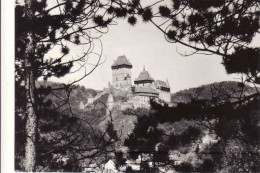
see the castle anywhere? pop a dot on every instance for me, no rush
(145, 87)
(137, 95)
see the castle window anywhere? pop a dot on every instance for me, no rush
(116, 78)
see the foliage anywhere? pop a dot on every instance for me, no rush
(221, 27)
(62, 133)
(153, 144)
(43, 27)
(120, 160)
(136, 112)
(172, 128)
(239, 124)
(212, 26)
(244, 61)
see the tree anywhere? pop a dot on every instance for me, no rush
(231, 119)
(224, 28)
(42, 27)
(153, 143)
(142, 141)
(62, 134)
(234, 125)
(221, 27)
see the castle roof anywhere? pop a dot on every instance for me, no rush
(146, 90)
(160, 83)
(121, 62)
(144, 76)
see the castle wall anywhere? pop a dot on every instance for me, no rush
(164, 95)
(141, 101)
(119, 77)
(145, 85)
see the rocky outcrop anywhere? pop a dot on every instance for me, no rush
(123, 124)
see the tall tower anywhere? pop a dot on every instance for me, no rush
(121, 73)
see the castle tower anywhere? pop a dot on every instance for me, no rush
(144, 80)
(164, 90)
(144, 89)
(121, 73)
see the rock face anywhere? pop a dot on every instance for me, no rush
(123, 124)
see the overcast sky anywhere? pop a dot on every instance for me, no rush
(144, 45)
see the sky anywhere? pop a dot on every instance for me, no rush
(145, 46)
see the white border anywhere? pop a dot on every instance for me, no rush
(7, 86)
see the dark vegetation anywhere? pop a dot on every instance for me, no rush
(136, 112)
(40, 29)
(78, 94)
(68, 137)
(164, 129)
(234, 129)
(71, 105)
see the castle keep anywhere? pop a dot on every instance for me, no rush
(121, 73)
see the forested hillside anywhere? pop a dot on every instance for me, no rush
(182, 138)
(76, 95)
(227, 90)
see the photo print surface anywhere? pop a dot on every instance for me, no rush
(137, 86)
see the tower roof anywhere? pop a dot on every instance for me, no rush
(121, 61)
(146, 90)
(161, 83)
(144, 76)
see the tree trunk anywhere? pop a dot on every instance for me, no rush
(31, 121)
(30, 128)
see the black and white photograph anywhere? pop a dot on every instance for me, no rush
(124, 86)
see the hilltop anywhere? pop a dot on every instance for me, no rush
(77, 95)
(227, 90)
